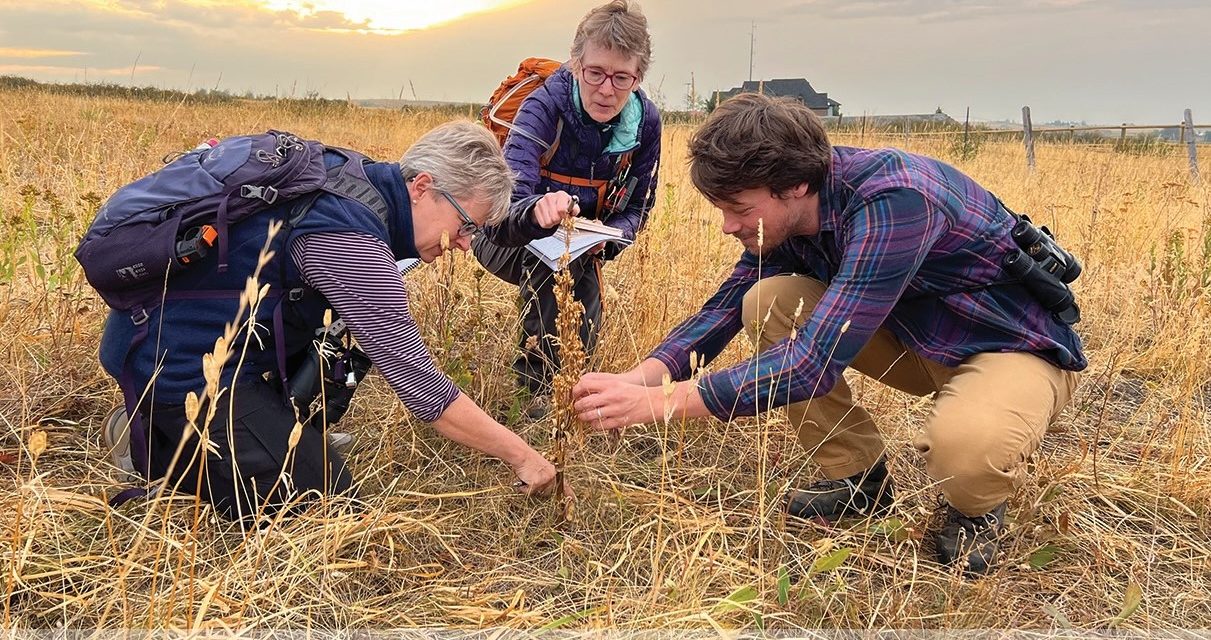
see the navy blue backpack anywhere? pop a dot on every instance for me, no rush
(155, 226)
(158, 225)
(135, 242)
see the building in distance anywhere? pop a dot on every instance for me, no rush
(798, 88)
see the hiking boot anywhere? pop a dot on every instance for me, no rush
(115, 437)
(340, 441)
(970, 541)
(868, 493)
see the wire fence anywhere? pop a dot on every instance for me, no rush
(1183, 133)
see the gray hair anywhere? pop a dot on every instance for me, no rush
(465, 161)
(618, 25)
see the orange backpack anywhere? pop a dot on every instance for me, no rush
(505, 102)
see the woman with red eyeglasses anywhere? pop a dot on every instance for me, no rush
(590, 132)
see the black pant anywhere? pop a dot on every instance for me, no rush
(259, 428)
(535, 367)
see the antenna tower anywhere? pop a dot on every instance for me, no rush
(752, 47)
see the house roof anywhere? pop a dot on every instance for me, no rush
(789, 87)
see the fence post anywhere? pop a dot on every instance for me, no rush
(1122, 137)
(966, 128)
(1072, 134)
(1181, 133)
(905, 133)
(1192, 147)
(1028, 137)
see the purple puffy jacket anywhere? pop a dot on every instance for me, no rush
(581, 153)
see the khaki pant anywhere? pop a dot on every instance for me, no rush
(988, 417)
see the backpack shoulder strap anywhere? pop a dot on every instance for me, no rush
(623, 167)
(545, 158)
(349, 181)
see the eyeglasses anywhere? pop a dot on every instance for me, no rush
(621, 81)
(468, 227)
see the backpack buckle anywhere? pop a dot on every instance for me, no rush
(139, 316)
(294, 295)
(268, 194)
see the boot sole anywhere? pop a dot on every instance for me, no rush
(115, 438)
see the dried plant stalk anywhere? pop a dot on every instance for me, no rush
(572, 364)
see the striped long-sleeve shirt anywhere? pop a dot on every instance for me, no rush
(905, 242)
(357, 274)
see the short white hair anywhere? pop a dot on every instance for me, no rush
(465, 161)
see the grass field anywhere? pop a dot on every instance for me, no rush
(677, 526)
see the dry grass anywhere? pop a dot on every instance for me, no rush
(673, 529)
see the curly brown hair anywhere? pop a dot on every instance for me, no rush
(752, 141)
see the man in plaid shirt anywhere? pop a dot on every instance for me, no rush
(879, 260)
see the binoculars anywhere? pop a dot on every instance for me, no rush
(1039, 244)
(1044, 268)
(331, 370)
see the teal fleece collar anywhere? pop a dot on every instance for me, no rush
(624, 134)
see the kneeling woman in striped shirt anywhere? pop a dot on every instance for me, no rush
(337, 260)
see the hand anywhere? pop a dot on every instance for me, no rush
(597, 248)
(536, 477)
(634, 376)
(553, 207)
(608, 402)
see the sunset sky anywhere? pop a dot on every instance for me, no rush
(1104, 61)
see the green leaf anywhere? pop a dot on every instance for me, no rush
(773, 491)
(830, 561)
(570, 618)
(1132, 598)
(564, 572)
(784, 586)
(1053, 492)
(893, 528)
(739, 597)
(1043, 556)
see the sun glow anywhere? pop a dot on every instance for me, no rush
(391, 16)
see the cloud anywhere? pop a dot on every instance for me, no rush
(202, 15)
(327, 21)
(173, 34)
(63, 72)
(963, 10)
(237, 47)
(204, 18)
(11, 52)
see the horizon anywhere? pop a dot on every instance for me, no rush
(397, 102)
(1069, 60)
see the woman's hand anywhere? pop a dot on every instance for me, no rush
(553, 207)
(536, 477)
